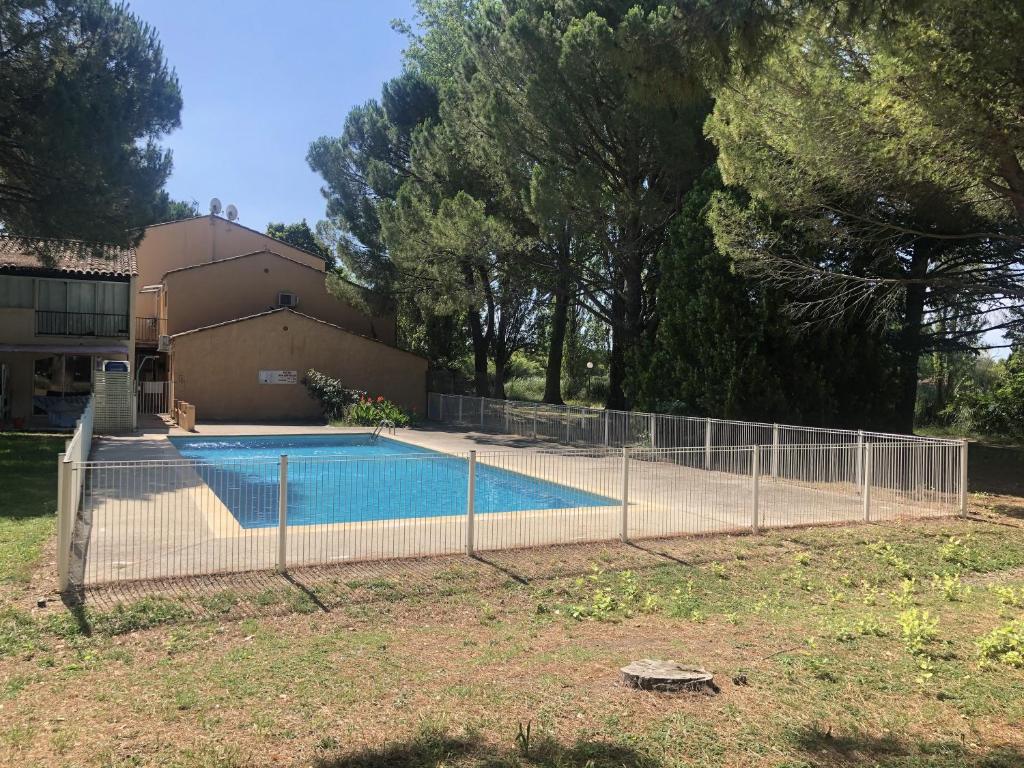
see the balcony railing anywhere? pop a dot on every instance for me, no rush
(49, 323)
(148, 330)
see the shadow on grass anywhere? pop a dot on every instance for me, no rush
(28, 474)
(996, 469)
(827, 750)
(435, 749)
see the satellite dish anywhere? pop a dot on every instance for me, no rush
(215, 206)
(232, 212)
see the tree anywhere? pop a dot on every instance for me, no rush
(363, 169)
(857, 208)
(301, 236)
(570, 89)
(365, 166)
(725, 347)
(85, 95)
(174, 210)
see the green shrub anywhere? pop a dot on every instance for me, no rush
(1004, 644)
(996, 408)
(1008, 596)
(370, 411)
(918, 629)
(334, 398)
(353, 406)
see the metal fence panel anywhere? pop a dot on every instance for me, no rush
(163, 519)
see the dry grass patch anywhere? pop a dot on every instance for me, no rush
(845, 646)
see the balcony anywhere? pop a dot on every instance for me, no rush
(49, 323)
(148, 330)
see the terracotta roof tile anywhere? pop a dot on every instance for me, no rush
(67, 256)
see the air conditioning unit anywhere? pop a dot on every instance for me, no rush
(163, 343)
(285, 299)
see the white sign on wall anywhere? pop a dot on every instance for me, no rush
(279, 377)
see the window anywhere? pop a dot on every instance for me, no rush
(82, 308)
(60, 375)
(83, 296)
(16, 291)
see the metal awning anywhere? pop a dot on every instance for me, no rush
(65, 349)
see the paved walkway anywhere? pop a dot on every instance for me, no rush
(162, 520)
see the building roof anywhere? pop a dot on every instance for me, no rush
(229, 259)
(291, 311)
(240, 226)
(68, 257)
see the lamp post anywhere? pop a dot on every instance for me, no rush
(590, 376)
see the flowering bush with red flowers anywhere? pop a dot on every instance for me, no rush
(352, 406)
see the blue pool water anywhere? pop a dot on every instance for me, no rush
(342, 479)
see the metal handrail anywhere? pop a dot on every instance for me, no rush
(56, 323)
(384, 423)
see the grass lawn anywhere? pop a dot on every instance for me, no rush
(28, 500)
(872, 645)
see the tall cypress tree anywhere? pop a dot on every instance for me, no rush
(725, 347)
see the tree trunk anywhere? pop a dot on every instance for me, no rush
(617, 356)
(481, 339)
(479, 353)
(559, 321)
(627, 309)
(500, 364)
(910, 340)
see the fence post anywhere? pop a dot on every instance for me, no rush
(63, 512)
(282, 515)
(460, 410)
(755, 483)
(470, 501)
(568, 413)
(482, 411)
(536, 408)
(963, 477)
(859, 480)
(605, 427)
(624, 533)
(867, 482)
(653, 441)
(707, 443)
(775, 451)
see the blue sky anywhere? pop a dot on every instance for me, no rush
(261, 80)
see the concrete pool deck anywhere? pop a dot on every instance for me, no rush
(161, 520)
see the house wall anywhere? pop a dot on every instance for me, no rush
(18, 326)
(217, 369)
(204, 239)
(228, 290)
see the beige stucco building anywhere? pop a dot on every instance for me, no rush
(251, 368)
(65, 308)
(203, 310)
(238, 286)
(208, 295)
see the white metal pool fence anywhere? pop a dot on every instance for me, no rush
(162, 519)
(577, 425)
(69, 486)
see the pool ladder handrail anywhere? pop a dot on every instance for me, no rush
(384, 423)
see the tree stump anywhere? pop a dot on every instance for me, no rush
(657, 675)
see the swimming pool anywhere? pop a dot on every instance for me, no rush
(350, 478)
